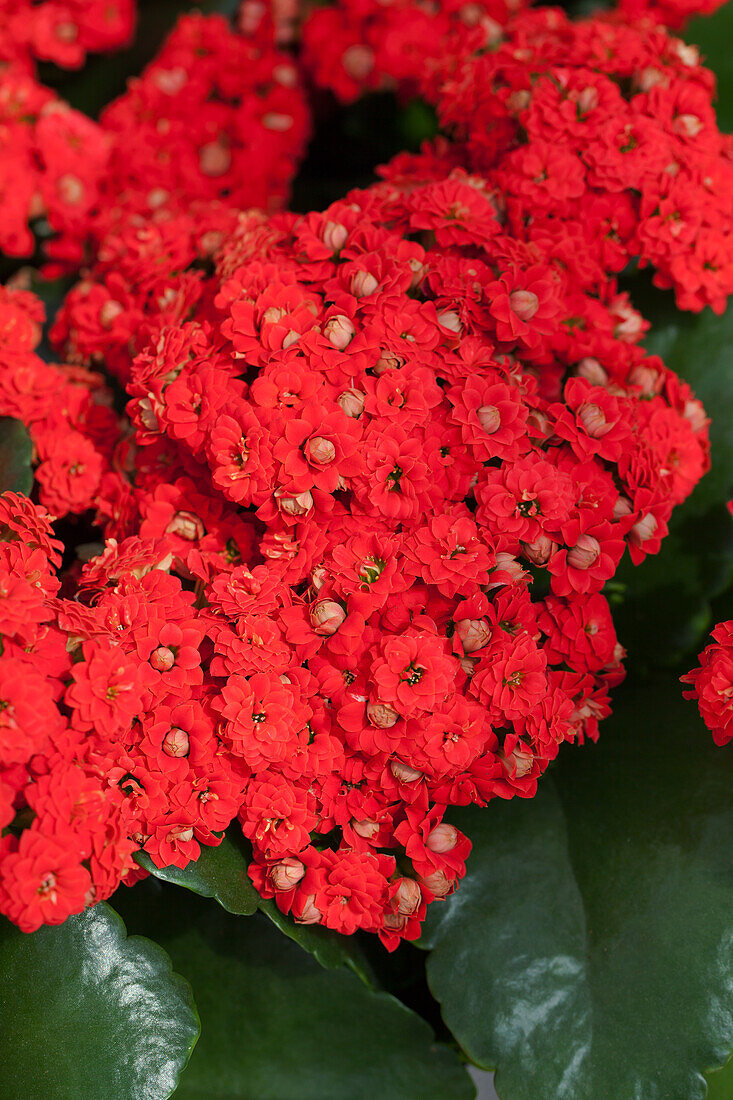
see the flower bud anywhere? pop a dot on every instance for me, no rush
(298, 505)
(363, 284)
(215, 159)
(508, 569)
(339, 331)
(687, 125)
(518, 100)
(524, 303)
(334, 235)
(592, 370)
(287, 873)
(645, 377)
(181, 833)
(540, 550)
(309, 914)
(518, 763)
(585, 553)
(644, 529)
(449, 319)
(438, 883)
(319, 450)
(443, 838)
(187, 526)
(381, 715)
(695, 414)
(622, 507)
(473, 634)
(587, 100)
(489, 418)
(468, 664)
(593, 419)
(358, 61)
(162, 659)
(408, 897)
(352, 403)
(70, 189)
(404, 773)
(326, 616)
(277, 121)
(395, 922)
(367, 829)
(176, 743)
(109, 311)
(319, 576)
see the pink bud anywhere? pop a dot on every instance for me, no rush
(309, 914)
(186, 525)
(540, 550)
(162, 659)
(181, 833)
(644, 529)
(593, 420)
(395, 922)
(443, 838)
(339, 331)
(438, 883)
(319, 450)
(326, 616)
(387, 361)
(489, 418)
(70, 189)
(404, 773)
(508, 569)
(215, 159)
(363, 284)
(592, 370)
(334, 235)
(408, 897)
(688, 55)
(622, 507)
(319, 576)
(381, 715)
(367, 829)
(109, 311)
(645, 377)
(352, 403)
(277, 121)
(687, 125)
(298, 505)
(648, 78)
(468, 664)
(473, 634)
(176, 743)
(695, 414)
(449, 319)
(585, 553)
(358, 61)
(518, 763)
(518, 101)
(524, 303)
(287, 873)
(588, 100)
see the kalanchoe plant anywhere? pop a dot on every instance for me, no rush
(309, 521)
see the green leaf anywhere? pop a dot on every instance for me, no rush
(666, 606)
(87, 1013)
(276, 1026)
(329, 948)
(219, 873)
(589, 951)
(720, 1083)
(15, 457)
(713, 37)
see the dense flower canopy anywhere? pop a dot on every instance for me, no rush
(373, 465)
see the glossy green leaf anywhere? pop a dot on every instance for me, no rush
(219, 873)
(589, 951)
(15, 457)
(665, 611)
(720, 1083)
(713, 36)
(277, 1026)
(87, 1013)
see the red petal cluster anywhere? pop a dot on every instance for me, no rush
(712, 684)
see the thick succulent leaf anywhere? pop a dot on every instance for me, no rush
(219, 872)
(665, 609)
(87, 1012)
(713, 36)
(588, 952)
(15, 457)
(276, 1026)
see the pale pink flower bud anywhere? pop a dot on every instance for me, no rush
(358, 61)
(298, 505)
(147, 415)
(518, 763)
(646, 378)
(649, 78)
(404, 773)
(585, 553)
(367, 829)
(70, 189)
(443, 838)
(326, 616)
(339, 331)
(186, 525)
(408, 897)
(688, 55)
(109, 311)
(524, 303)
(352, 403)
(540, 550)
(518, 101)
(215, 159)
(687, 125)
(277, 121)
(319, 576)
(320, 450)
(508, 569)
(162, 659)
(181, 833)
(387, 361)
(622, 507)
(468, 664)
(381, 715)
(587, 100)
(644, 529)
(395, 922)
(287, 873)
(592, 370)
(438, 883)
(489, 418)
(449, 319)
(334, 235)
(170, 81)
(176, 743)
(309, 914)
(695, 414)
(473, 634)
(363, 284)
(593, 420)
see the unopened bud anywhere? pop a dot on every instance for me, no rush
(334, 235)
(449, 319)
(367, 829)
(309, 914)
(644, 529)
(363, 284)
(593, 420)
(645, 377)
(298, 505)
(687, 125)
(358, 61)
(592, 370)
(320, 450)
(186, 525)
(109, 311)
(622, 507)
(287, 873)
(162, 659)
(408, 897)
(352, 403)
(395, 922)
(438, 883)
(695, 414)
(473, 634)
(176, 743)
(404, 773)
(70, 189)
(387, 361)
(585, 553)
(443, 838)
(540, 550)
(215, 159)
(518, 763)
(326, 616)
(381, 715)
(339, 331)
(524, 303)
(489, 418)
(508, 570)
(181, 833)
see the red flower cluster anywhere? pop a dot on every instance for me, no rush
(63, 31)
(712, 684)
(599, 136)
